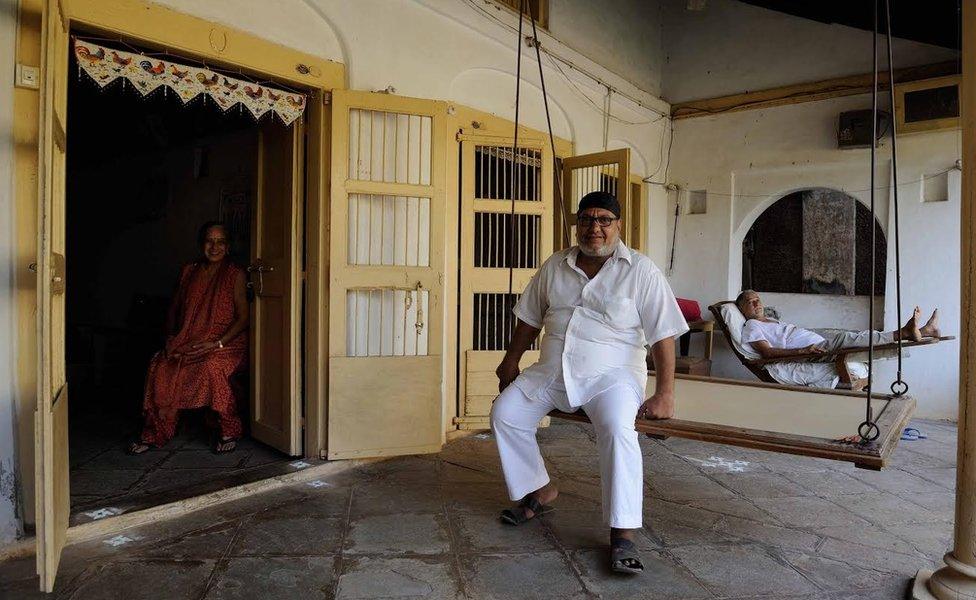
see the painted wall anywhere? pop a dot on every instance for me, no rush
(634, 53)
(9, 525)
(466, 54)
(730, 47)
(748, 160)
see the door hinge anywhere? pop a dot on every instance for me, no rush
(326, 98)
(303, 275)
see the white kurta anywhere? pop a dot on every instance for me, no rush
(592, 356)
(596, 329)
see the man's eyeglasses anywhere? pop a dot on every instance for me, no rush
(602, 221)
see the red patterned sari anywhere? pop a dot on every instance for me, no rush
(204, 310)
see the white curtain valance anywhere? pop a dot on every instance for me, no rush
(105, 65)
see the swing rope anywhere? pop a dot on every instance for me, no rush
(898, 387)
(868, 430)
(523, 7)
(515, 164)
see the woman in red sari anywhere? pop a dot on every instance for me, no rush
(206, 344)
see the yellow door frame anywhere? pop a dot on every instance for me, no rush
(153, 26)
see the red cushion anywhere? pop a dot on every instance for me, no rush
(689, 309)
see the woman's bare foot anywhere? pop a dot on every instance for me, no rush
(931, 327)
(911, 331)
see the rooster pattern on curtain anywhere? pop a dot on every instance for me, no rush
(147, 74)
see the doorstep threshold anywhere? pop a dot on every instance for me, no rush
(315, 469)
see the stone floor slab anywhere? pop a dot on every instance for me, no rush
(739, 570)
(484, 532)
(295, 578)
(413, 533)
(380, 577)
(686, 488)
(808, 512)
(537, 576)
(146, 580)
(761, 485)
(271, 535)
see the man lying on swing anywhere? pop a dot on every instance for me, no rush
(772, 339)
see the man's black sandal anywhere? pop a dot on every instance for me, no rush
(624, 557)
(517, 516)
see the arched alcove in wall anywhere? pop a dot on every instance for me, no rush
(814, 241)
(493, 91)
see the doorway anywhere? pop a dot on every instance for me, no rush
(143, 173)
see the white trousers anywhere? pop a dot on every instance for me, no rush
(515, 419)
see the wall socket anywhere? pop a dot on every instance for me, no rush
(28, 77)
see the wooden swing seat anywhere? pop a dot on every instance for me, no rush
(840, 358)
(778, 418)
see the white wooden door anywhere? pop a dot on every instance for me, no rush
(274, 273)
(495, 182)
(51, 418)
(386, 275)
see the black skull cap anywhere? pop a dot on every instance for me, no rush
(600, 200)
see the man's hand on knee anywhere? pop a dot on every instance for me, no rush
(658, 406)
(506, 372)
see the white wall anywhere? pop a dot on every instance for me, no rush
(9, 526)
(463, 50)
(731, 47)
(748, 160)
(627, 38)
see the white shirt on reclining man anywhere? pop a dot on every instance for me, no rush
(770, 338)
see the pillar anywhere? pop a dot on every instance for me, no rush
(957, 579)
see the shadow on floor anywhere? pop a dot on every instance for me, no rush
(106, 481)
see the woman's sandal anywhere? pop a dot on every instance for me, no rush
(517, 515)
(136, 448)
(229, 445)
(624, 557)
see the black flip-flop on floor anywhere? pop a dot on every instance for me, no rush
(517, 516)
(624, 557)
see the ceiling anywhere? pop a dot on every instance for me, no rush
(933, 22)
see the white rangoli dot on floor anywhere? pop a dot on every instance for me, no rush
(717, 462)
(102, 513)
(119, 540)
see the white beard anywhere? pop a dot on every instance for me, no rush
(605, 250)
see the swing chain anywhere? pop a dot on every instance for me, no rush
(899, 387)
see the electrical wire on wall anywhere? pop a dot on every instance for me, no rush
(476, 5)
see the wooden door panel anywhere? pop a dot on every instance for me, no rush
(274, 279)
(484, 302)
(51, 420)
(387, 275)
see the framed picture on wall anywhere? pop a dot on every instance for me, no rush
(235, 213)
(927, 105)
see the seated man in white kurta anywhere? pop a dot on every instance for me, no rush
(600, 303)
(770, 338)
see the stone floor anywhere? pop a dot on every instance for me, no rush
(721, 522)
(104, 477)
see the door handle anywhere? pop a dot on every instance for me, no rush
(260, 270)
(419, 325)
